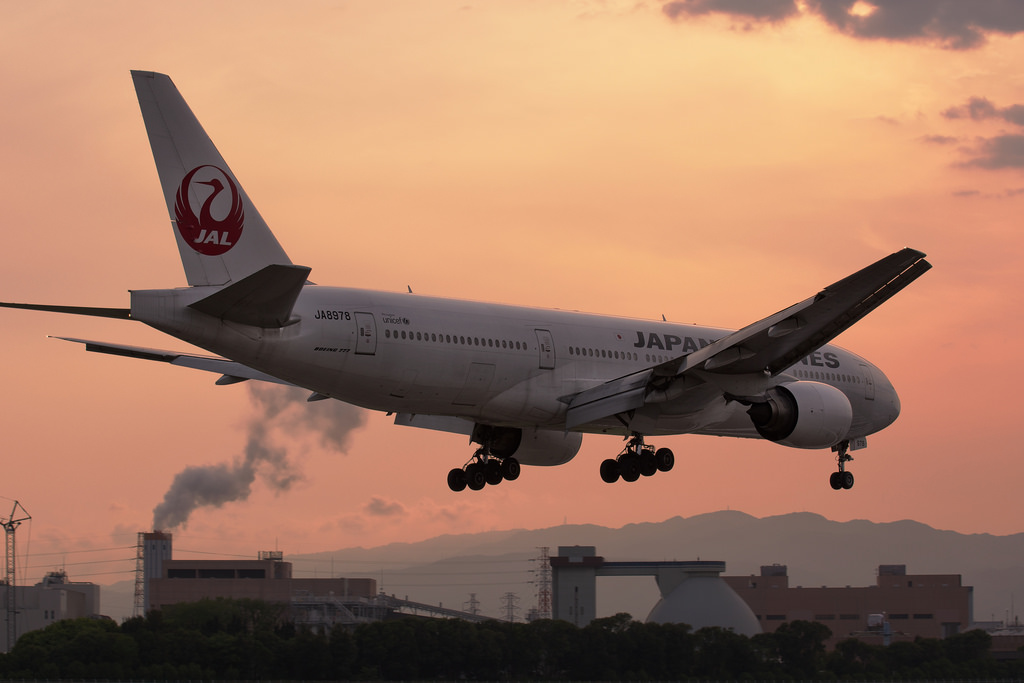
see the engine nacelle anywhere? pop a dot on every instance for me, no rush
(530, 446)
(803, 415)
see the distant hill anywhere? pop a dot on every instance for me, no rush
(818, 552)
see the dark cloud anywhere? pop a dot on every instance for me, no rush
(378, 507)
(940, 139)
(283, 408)
(1002, 151)
(976, 109)
(1006, 194)
(749, 10)
(949, 24)
(981, 108)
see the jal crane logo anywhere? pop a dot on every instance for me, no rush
(204, 233)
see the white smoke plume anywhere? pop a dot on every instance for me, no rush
(280, 409)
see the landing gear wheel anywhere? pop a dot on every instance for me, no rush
(629, 467)
(492, 472)
(610, 471)
(510, 469)
(648, 463)
(842, 479)
(475, 477)
(457, 480)
(665, 459)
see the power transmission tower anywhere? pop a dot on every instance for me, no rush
(10, 525)
(139, 604)
(472, 606)
(510, 603)
(543, 581)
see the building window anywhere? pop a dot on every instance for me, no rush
(849, 617)
(776, 617)
(924, 616)
(252, 573)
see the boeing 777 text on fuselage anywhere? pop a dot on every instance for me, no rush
(524, 384)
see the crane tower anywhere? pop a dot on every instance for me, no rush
(10, 525)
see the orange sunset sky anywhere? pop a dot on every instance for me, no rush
(634, 158)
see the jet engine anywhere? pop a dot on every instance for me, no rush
(803, 415)
(530, 446)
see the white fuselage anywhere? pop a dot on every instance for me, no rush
(493, 364)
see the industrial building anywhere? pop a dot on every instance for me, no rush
(899, 606)
(52, 599)
(691, 592)
(165, 581)
(903, 605)
(312, 602)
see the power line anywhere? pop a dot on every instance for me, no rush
(93, 550)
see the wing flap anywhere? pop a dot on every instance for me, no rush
(611, 398)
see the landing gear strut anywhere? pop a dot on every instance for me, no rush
(635, 460)
(481, 470)
(842, 479)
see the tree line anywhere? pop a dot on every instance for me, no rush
(250, 640)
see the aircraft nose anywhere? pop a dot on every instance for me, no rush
(891, 403)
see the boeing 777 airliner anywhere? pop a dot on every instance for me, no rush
(523, 384)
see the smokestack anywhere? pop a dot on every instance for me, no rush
(156, 547)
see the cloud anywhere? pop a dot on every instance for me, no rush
(940, 139)
(948, 24)
(999, 152)
(981, 108)
(1002, 151)
(1005, 194)
(750, 10)
(285, 409)
(378, 507)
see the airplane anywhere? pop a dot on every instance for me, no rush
(524, 384)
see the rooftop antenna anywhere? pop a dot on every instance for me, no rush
(10, 525)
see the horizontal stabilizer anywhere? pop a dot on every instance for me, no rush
(221, 366)
(120, 313)
(263, 299)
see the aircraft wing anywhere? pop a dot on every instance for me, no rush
(230, 372)
(766, 347)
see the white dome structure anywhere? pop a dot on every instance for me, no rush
(705, 600)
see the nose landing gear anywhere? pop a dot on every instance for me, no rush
(483, 469)
(842, 479)
(637, 460)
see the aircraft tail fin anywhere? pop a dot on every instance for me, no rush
(221, 236)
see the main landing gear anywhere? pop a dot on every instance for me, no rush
(842, 479)
(635, 460)
(481, 470)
